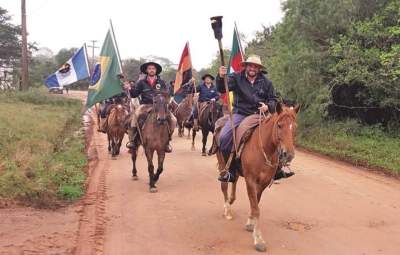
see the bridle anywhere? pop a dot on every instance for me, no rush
(267, 161)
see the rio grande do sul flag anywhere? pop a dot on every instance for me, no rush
(184, 72)
(108, 83)
(235, 60)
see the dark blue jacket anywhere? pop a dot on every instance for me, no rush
(147, 92)
(206, 94)
(247, 96)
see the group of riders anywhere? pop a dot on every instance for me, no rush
(253, 93)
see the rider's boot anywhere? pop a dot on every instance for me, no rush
(230, 175)
(168, 147)
(103, 125)
(280, 173)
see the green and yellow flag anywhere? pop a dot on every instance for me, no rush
(105, 81)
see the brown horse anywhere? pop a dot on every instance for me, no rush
(155, 135)
(207, 117)
(116, 128)
(270, 144)
(182, 114)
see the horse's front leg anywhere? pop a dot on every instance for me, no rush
(150, 168)
(205, 135)
(232, 197)
(193, 141)
(180, 129)
(109, 142)
(227, 206)
(253, 224)
(160, 168)
(134, 170)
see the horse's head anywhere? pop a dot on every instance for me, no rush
(160, 107)
(285, 131)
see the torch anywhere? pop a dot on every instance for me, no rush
(216, 24)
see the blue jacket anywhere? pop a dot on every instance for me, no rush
(206, 94)
(247, 96)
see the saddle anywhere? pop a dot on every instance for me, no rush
(243, 131)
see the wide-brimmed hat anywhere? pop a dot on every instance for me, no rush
(253, 59)
(207, 75)
(143, 67)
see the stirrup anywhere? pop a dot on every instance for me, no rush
(227, 177)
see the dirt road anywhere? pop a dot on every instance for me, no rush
(328, 207)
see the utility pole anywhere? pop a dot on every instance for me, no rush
(93, 46)
(24, 59)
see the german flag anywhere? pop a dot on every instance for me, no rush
(184, 73)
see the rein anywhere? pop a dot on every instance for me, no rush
(266, 160)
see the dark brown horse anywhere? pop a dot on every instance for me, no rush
(116, 128)
(270, 144)
(207, 117)
(155, 135)
(182, 114)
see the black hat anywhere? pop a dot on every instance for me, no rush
(143, 67)
(207, 75)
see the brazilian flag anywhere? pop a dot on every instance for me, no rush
(108, 84)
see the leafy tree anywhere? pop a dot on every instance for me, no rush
(10, 47)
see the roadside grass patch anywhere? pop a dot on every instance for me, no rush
(367, 146)
(42, 156)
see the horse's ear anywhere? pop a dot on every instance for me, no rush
(297, 109)
(279, 107)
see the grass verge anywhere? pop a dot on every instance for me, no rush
(42, 156)
(367, 146)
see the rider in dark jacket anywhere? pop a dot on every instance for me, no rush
(207, 92)
(147, 88)
(252, 93)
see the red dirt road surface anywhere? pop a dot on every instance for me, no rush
(328, 207)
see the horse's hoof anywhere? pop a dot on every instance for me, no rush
(135, 178)
(249, 227)
(228, 216)
(203, 154)
(261, 247)
(153, 190)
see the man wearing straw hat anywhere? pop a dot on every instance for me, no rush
(253, 92)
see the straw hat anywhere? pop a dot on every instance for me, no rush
(253, 59)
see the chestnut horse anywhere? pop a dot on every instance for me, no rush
(116, 128)
(207, 118)
(270, 144)
(155, 135)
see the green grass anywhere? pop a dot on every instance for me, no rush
(42, 157)
(367, 146)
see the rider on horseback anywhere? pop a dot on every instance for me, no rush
(253, 92)
(207, 92)
(106, 107)
(147, 88)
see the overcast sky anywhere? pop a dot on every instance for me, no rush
(142, 28)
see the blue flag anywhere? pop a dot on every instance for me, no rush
(75, 69)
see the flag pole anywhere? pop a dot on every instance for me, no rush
(216, 24)
(239, 41)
